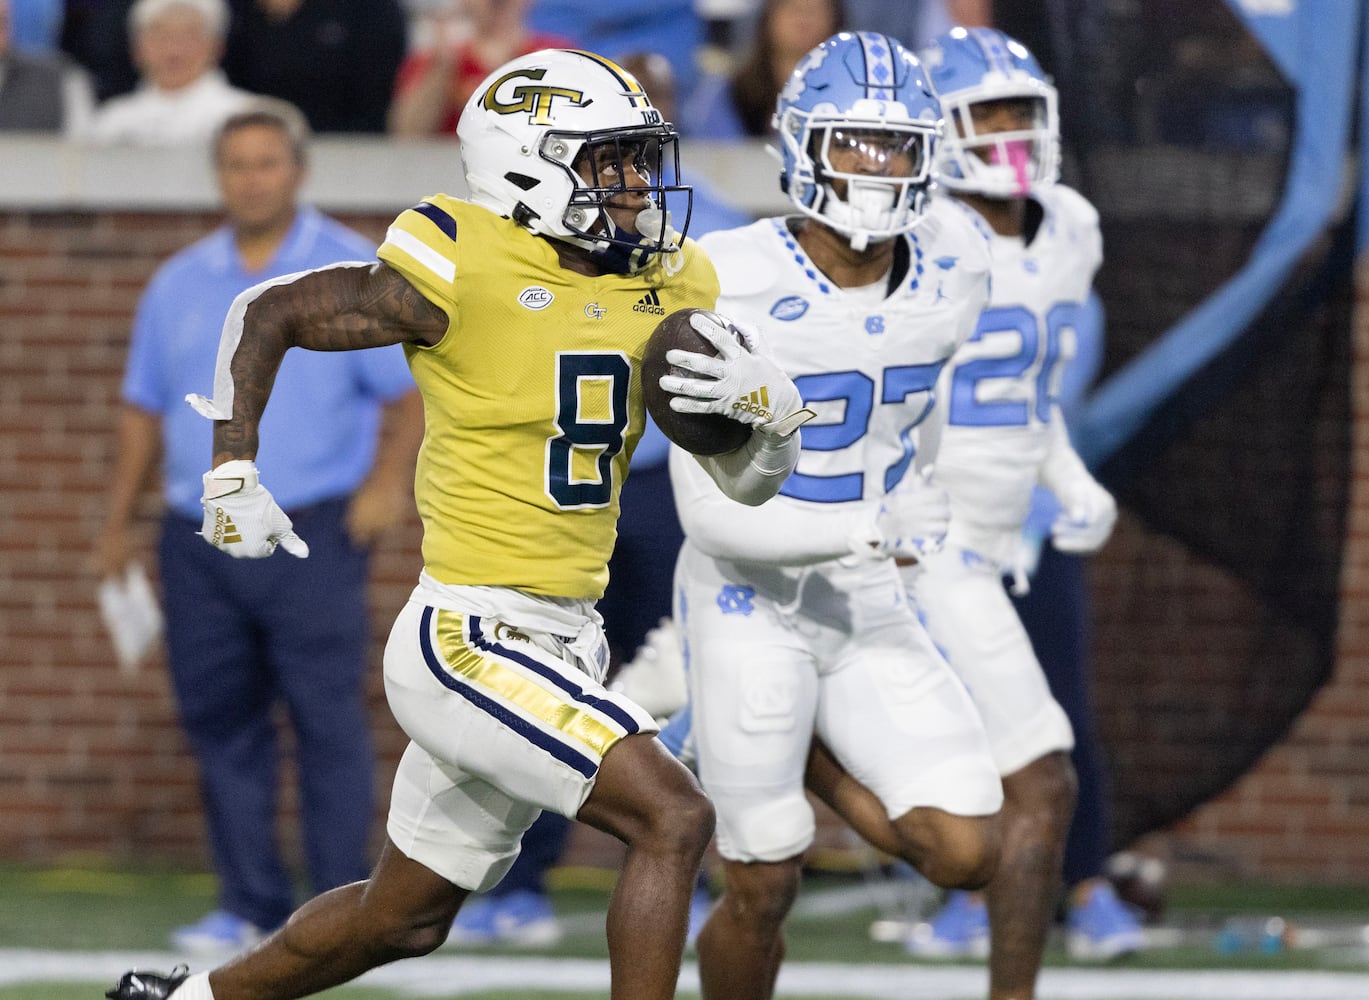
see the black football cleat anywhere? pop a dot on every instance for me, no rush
(148, 985)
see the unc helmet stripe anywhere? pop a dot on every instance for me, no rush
(879, 65)
(990, 42)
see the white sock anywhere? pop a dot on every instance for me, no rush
(194, 988)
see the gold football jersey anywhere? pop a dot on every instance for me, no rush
(533, 399)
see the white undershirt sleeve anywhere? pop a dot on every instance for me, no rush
(1062, 467)
(754, 473)
(779, 533)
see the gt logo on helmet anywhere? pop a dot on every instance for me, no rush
(536, 101)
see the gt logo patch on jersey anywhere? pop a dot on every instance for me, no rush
(535, 297)
(594, 310)
(789, 308)
(535, 101)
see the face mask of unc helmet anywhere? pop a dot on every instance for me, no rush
(865, 94)
(528, 123)
(970, 66)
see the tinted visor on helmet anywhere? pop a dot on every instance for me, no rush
(902, 153)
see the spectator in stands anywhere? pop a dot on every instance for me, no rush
(467, 40)
(335, 60)
(40, 92)
(917, 22)
(95, 34)
(672, 27)
(741, 104)
(36, 25)
(183, 96)
(247, 637)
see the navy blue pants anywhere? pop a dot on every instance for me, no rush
(641, 572)
(1058, 618)
(248, 640)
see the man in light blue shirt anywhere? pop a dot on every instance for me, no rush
(245, 636)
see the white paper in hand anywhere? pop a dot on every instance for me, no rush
(132, 616)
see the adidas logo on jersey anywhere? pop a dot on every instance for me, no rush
(757, 402)
(650, 303)
(225, 531)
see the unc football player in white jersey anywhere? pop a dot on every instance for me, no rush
(1002, 434)
(795, 622)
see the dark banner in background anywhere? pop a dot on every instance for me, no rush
(1216, 141)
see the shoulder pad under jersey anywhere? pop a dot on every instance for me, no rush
(744, 258)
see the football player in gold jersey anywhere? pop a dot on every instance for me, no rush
(524, 313)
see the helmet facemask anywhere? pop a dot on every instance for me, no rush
(1000, 164)
(597, 165)
(523, 130)
(884, 188)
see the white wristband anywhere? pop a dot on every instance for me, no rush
(232, 477)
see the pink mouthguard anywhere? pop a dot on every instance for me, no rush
(1015, 153)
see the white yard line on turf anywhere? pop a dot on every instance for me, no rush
(454, 975)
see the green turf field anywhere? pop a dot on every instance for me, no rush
(65, 932)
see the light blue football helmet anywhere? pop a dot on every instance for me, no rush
(865, 98)
(970, 66)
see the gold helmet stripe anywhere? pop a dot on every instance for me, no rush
(631, 87)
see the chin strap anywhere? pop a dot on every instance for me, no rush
(622, 257)
(866, 207)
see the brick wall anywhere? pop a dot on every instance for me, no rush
(93, 761)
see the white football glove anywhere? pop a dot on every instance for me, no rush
(742, 382)
(913, 517)
(1086, 519)
(242, 518)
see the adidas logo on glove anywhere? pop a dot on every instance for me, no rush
(225, 531)
(757, 402)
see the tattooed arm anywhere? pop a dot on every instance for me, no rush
(344, 307)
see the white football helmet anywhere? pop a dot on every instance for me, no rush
(970, 66)
(859, 93)
(524, 129)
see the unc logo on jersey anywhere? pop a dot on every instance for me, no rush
(734, 600)
(536, 101)
(789, 308)
(874, 324)
(535, 297)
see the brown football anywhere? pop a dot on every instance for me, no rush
(697, 433)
